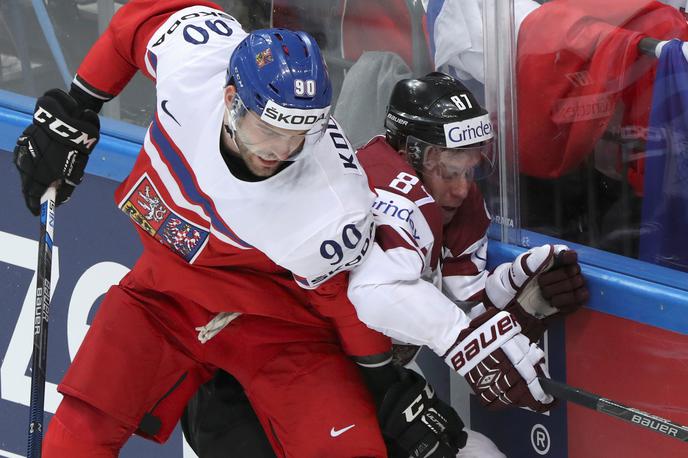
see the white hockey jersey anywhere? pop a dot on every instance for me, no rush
(311, 218)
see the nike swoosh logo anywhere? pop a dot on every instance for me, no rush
(163, 105)
(338, 432)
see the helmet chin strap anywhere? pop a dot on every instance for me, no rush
(233, 141)
(225, 124)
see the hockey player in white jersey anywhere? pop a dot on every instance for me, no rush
(251, 207)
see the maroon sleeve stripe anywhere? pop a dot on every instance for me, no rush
(459, 266)
(389, 238)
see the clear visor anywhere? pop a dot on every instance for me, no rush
(268, 141)
(471, 163)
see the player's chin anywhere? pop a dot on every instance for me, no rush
(448, 213)
(262, 172)
(263, 168)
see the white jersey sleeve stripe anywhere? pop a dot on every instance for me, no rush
(462, 287)
(478, 250)
(176, 194)
(151, 61)
(392, 237)
(93, 92)
(407, 308)
(170, 185)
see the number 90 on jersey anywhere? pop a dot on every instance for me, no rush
(348, 251)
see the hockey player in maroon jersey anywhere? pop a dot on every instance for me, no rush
(431, 248)
(425, 281)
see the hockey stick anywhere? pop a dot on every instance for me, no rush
(40, 324)
(609, 407)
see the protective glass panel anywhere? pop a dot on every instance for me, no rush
(600, 136)
(43, 42)
(601, 129)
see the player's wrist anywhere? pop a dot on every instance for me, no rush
(380, 376)
(531, 326)
(85, 100)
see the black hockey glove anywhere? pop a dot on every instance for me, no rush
(55, 147)
(415, 423)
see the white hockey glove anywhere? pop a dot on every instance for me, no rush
(500, 364)
(559, 290)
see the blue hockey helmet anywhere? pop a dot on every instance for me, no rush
(281, 76)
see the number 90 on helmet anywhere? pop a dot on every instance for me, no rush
(281, 76)
(436, 113)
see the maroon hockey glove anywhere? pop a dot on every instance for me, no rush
(563, 286)
(499, 363)
(543, 282)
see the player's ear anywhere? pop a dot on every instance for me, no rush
(229, 94)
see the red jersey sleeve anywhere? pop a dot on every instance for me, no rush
(331, 300)
(119, 52)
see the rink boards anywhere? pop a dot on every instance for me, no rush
(628, 345)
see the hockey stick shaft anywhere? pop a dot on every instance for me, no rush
(40, 324)
(614, 409)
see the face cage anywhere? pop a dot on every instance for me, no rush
(472, 162)
(266, 135)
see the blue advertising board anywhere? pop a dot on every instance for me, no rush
(95, 245)
(520, 433)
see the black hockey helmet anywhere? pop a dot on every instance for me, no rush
(439, 111)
